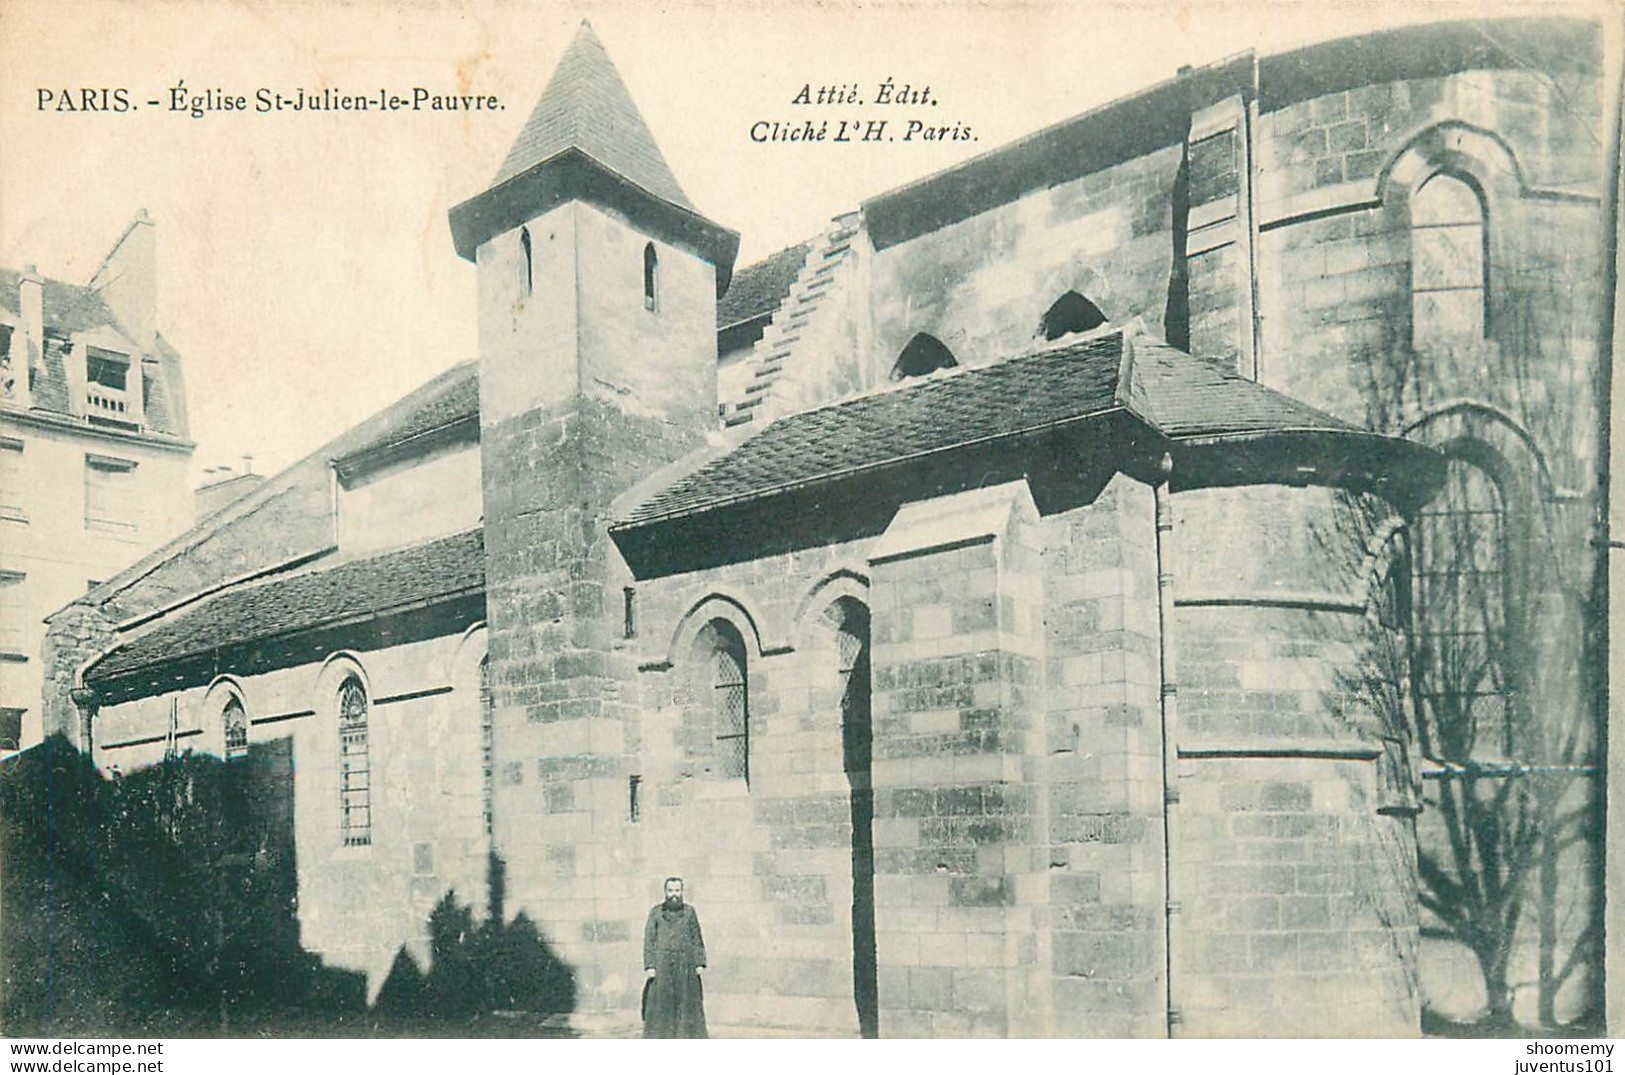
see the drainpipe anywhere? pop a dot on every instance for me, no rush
(1609, 658)
(1169, 714)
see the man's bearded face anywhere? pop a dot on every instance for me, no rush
(674, 895)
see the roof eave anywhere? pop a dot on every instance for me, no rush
(573, 174)
(1395, 468)
(380, 612)
(836, 476)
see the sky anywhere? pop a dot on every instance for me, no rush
(306, 270)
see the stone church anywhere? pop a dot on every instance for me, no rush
(1063, 597)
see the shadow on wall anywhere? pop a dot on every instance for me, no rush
(492, 976)
(163, 904)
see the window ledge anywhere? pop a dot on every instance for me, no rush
(13, 515)
(127, 535)
(13, 657)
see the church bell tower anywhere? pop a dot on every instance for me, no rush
(598, 282)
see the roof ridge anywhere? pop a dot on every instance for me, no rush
(202, 529)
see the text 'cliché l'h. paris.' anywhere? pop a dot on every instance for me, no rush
(894, 116)
(215, 101)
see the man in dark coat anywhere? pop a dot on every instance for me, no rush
(673, 959)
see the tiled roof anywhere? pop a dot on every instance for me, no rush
(925, 416)
(380, 584)
(457, 397)
(1187, 397)
(586, 106)
(1180, 395)
(760, 288)
(67, 307)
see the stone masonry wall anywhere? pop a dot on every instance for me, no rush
(76, 635)
(982, 285)
(768, 862)
(1296, 910)
(586, 388)
(1336, 264)
(358, 906)
(961, 887)
(1104, 745)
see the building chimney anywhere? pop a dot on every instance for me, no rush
(31, 300)
(128, 281)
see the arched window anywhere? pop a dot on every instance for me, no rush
(1449, 267)
(234, 721)
(355, 776)
(722, 645)
(1460, 610)
(530, 265)
(923, 354)
(1070, 313)
(651, 277)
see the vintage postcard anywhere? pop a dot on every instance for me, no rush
(903, 520)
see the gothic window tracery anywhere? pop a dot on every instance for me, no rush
(355, 775)
(1462, 630)
(234, 719)
(729, 687)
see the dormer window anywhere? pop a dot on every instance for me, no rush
(651, 277)
(107, 386)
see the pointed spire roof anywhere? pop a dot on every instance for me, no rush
(587, 107)
(585, 141)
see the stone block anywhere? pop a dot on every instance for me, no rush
(930, 988)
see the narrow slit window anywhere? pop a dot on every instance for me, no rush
(487, 747)
(651, 277)
(530, 265)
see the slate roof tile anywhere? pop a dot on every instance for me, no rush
(1178, 394)
(760, 288)
(394, 580)
(933, 414)
(67, 307)
(1186, 396)
(457, 398)
(586, 106)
